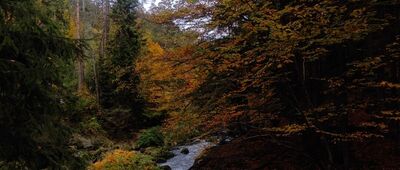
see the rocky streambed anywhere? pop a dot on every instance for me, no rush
(186, 155)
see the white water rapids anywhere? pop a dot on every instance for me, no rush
(185, 161)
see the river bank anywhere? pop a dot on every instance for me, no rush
(302, 151)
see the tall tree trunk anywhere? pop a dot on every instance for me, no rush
(106, 27)
(103, 42)
(96, 81)
(81, 66)
(83, 7)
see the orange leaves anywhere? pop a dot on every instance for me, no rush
(389, 85)
(122, 159)
(225, 118)
(358, 13)
(182, 126)
(155, 49)
(168, 75)
(117, 156)
(287, 129)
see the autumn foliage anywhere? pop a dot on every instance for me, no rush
(327, 70)
(311, 84)
(121, 159)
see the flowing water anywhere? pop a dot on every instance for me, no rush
(185, 161)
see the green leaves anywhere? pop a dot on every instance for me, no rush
(118, 79)
(150, 137)
(32, 45)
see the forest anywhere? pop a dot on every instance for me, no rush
(199, 84)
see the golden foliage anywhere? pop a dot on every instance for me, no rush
(155, 49)
(117, 156)
(72, 27)
(122, 159)
(166, 76)
(389, 85)
(182, 126)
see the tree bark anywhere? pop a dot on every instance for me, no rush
(103, 43)
(106, 27)
(81, 66)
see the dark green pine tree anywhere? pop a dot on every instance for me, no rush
(118, 81)
(33, 48)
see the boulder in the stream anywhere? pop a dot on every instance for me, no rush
(161, 160)
(185, 151)
(168, 155)
(165, 167)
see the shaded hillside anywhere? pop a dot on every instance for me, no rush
(260, 151)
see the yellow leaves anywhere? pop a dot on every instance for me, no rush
(315, 54)
(155, 49)
(381, 126)
(182, 126)
(123, 160)
(288, 129)
(389, 85)
(167, 75)
(356, 26)
(96, 31)
(335, 83)
(117, 156)
(384, 85)
(390, 113)
(72, 28)
(358, 13)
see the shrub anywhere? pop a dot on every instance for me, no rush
(159, 153)
(150, 137)
(91, 126)
(12, 165)
(122, 159)
(181, 127)
(119, 121)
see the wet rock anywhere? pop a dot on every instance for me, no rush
(169, 155)
(81, 142)
(196, 141)
(161, 160)
(225, 140)
(185, 151)
(165, 167)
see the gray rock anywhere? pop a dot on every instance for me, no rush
(81, 142)
(165, 167)
(185, 151)
(161, 160)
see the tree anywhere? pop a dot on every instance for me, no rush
(291, 68)
(80, 62)
(33, 48)
(103, 43)
(119, 93)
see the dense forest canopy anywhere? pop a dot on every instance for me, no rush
(275, 84)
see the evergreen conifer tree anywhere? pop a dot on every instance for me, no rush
(118, 80)
(33, 48)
